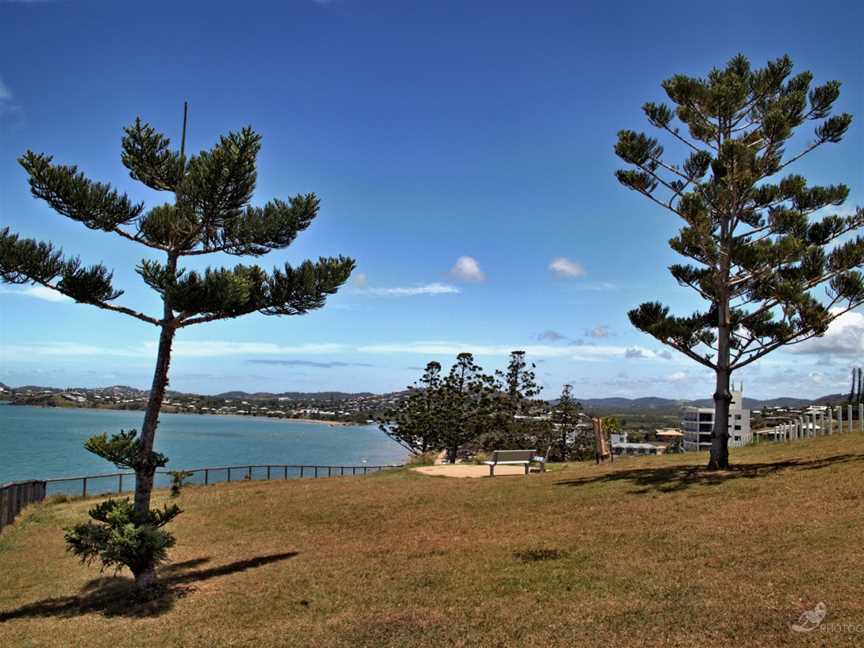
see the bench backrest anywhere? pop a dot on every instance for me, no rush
(513, 455)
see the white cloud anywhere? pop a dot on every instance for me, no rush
(206, 349)
(360, 279)
(845, 336)
(37, 292)
(599, 332)
(564, 267)
(551, 336)
(411, 291)
(5, 93)
(467, 268)
(635, 352)
(599, 286)
(222, 348)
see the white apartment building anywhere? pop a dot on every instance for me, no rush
(697, 423)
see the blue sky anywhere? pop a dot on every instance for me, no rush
(463, 155)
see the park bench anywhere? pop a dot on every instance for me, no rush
(510, 458)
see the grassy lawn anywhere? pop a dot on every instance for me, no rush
(647, 552)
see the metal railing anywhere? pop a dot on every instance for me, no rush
(16, 495)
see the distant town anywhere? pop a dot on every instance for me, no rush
(643, 421)
(336, 407)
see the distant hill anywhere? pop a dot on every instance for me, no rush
(648, 404)
(631, 404)
(651, 404)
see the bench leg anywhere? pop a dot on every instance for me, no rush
(527, 466)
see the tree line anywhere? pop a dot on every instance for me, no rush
(465, 410)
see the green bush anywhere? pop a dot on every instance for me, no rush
(178, 480)
(118, 538)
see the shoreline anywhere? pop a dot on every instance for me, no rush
(328, 423)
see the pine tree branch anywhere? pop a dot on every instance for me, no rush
(138, 239)
(100, 304)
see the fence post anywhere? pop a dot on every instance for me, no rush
(364, 470)
(301, 472)
(84, 487)
(329, 471)
(268, 473)
(206, 476)
(229, 474)
(120, 483)
(249, 473)
(316, 472)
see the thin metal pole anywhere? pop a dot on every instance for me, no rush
(84, 487)
(183, 137)
(206, 476)
(120, 483)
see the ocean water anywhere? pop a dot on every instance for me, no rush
(44, 443)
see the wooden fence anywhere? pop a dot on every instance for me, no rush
(16, 495)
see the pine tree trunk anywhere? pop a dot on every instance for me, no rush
(719, 458)
(451, 454)
(145, 578)
(145, 473)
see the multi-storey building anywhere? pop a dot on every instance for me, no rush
(697, 423)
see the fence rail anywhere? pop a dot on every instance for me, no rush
(15, 496)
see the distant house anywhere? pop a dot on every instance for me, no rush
(622, 447)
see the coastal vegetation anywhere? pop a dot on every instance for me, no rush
(211, 214)
(467, 411)
(756, 251)
(637, 553)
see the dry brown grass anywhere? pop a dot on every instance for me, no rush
(647, 552)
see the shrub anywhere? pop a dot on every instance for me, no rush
(423, 459)
(118, 537)
(178, 480)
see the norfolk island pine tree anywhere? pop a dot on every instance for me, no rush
(763, 256)
(211, 213)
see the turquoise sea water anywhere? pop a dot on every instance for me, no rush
(41, 443)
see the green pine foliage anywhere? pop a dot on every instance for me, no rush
(211, 212)
(117, 536)
(571, 441)
(771, 256)
(469, 410)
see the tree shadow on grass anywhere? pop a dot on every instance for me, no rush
(117, 596)
(670, 479)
